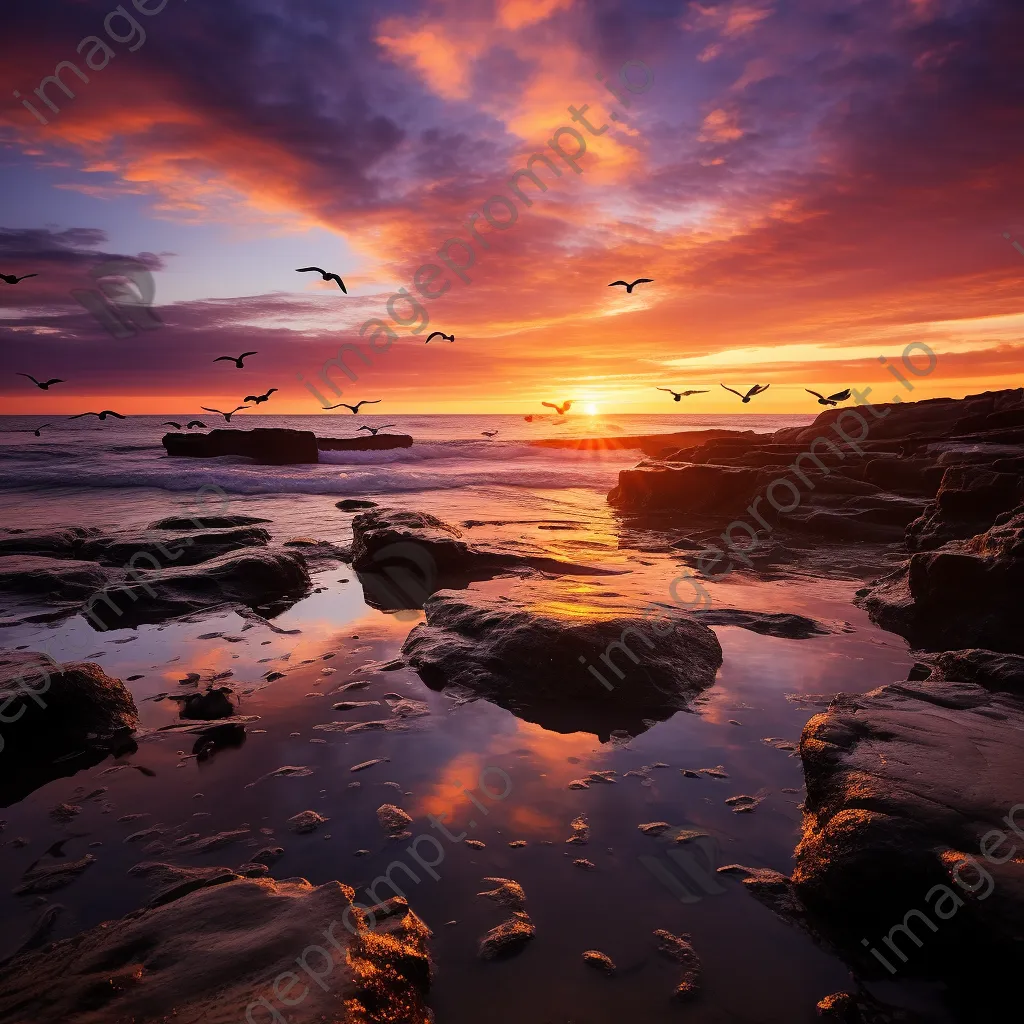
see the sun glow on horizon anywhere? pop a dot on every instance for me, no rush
(591, 408)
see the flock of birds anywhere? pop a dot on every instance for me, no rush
(560, 408)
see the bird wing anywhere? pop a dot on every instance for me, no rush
(364, 427)
(230, 359)
(758, 388)
(840, 396)
(81, 414)
(244, 354)
(250, 398)
(306, 270)
(30, 377)
(670, 391)
(238, 408)
(341, 284)
(623, 283)
(642, 280)
(732, 389)
(433, 334)
(271, 391)
(55, 380)
(566, 406)
(386, 425)
(206, 408)
(367, 401)
(694, 392)
(110, 412)
(338, 406)
(815, 393)
(550, 406)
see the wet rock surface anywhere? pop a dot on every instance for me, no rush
(61, 718)
(149, 965)
(272, 446)
(508, 647)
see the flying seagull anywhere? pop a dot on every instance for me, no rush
(258, 399)
(677, 395)
(439, 334)
(354, 408)
(236, 360)
(560, 409)
(373, 430)
(14, 279)
(36, 431)
(325, 275)
(488, 433)
(227, 415)
(42, 385)
(839, 396)
(171, 423)
(195, 423)
(629, 287)
(755, 390)
(102, 415)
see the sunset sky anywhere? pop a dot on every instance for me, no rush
(811, 184)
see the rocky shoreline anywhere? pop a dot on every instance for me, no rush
(911, 819)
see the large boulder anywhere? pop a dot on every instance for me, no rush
(64, 542)
(163, 549)
(271, 446)
(244, 949)
(913, 815)
(57, 719)
(56, 580)
(965, 594)
(701, 489)
(539, 649)
(258, 578)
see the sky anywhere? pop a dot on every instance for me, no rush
(811, 185)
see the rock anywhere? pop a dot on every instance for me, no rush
(393, 820)
(990, 669)
(354, 504)
(363, 765)
(508, 938)
(961, 595)
(65, 542)
(680, 949)
(382, 442)
(402, 557)
(206, 522)
(744, 804)
(475, 844)
(163, 551)
(582, 862)
(57, 581)
(718, 490)
(62, 718)
(142, 966)
(598, 960)
(907, 787)
(654, 828)
(306, 821)
(506, 644)
(253, 578)
(50, 877)
(507, 893)
(781, 624)
(270, 446)
(580, 831)
(215, 703)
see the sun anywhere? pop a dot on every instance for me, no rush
(590, 408)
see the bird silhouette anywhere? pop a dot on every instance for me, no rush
(839, 396)
(488, 433)
(629, 287)
(354, 408)
(31, 431)
(14, 279)
(258, 399)
(373, 430)
(195, 423)
(237, 360)
(560, 409)
(171, 423)
(325, 275)
(677, 395)
(102, 415)
(227, 415)
(42, 385)
(755, 390)
(439, 334)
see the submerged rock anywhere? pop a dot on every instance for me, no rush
(509, 937)
(600, 961)
(680, 949)
(271, 446)
(394, 821)
(215, 703)
(61, 718)
(787, 625)
(306, 821)
(223, 953)
(513, 647)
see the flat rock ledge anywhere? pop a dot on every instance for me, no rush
(511, 645)
(225, 950)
